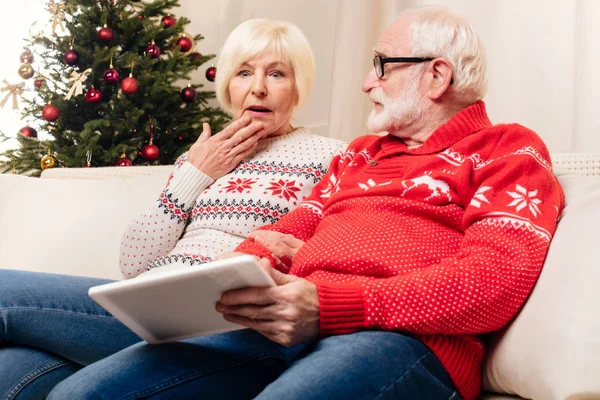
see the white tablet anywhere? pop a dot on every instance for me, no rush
(178, 301)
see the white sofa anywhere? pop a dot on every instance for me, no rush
(71, 222)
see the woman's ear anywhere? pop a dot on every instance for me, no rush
(439, 73)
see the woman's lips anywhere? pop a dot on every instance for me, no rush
(258, 111)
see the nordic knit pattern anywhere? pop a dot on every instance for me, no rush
(443, 242)
(196, 218)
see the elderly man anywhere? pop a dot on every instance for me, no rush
(413, 244)
(415, 241)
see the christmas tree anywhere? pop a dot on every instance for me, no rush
(113, 87)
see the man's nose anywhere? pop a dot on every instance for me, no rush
(371, 81)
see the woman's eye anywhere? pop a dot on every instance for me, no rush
(244, 73)
(276, 74)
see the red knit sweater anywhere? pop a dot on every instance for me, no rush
(443, 242)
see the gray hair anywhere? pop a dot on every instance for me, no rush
(436, 32)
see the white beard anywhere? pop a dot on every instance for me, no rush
(397, 113)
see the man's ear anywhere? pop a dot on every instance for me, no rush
(439, 74)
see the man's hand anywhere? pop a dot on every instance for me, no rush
(287, 314)
(282, 246)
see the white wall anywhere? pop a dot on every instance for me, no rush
(543, 57)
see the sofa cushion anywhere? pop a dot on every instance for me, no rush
(70, 226)
(552, 349)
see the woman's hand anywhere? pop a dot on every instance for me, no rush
(218, 154)
(283, 246)
(287, 314)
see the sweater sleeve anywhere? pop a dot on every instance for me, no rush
(510, 217)
(156, 232)
(302, 222)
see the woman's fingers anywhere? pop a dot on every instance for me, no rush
(246, 146)
(205, 135)
(243, 134)
(234, 127)
(245, 153)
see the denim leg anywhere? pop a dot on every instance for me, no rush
(364, 365)
(231, 365)
(54, 313)
(28, 373)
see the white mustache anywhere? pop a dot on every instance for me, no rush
(377, 96)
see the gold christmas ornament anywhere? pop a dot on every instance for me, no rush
(26, 71)
(48, 161)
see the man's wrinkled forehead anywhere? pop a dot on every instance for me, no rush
(395, 40)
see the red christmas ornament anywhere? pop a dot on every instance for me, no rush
(140, 16)
(195, 55)
(71, 57)
(28, 131)
(168, 21)
(129, 85)
(105, 35)
(180, 138)
(93, 96)
(150, 152)
(50, 112)
(124, 161)
(211, 73)
(188, 94)
(153, 50)
(26, 57)
(185, 44)
(111, 76)
(37, 84)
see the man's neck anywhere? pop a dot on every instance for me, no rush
(417, 133)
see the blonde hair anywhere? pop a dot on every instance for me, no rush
(256, 37)
(436, 32)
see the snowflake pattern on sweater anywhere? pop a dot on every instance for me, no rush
(444, 241)
(196, 218)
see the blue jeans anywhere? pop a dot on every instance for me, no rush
(50, 330)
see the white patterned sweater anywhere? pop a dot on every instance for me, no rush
(196, 218)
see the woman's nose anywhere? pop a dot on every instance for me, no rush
(258, 87)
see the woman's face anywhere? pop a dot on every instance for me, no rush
(265, 89)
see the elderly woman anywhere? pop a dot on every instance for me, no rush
(257, 169)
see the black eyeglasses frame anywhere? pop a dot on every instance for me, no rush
(379, 62)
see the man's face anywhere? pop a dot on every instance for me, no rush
(397, 100)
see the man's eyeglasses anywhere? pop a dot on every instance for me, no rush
(379, 62)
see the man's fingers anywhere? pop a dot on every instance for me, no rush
(254, 312)
(256, 296)
(264, 327)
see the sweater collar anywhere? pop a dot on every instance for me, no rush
(464, 123)
(297, 134)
